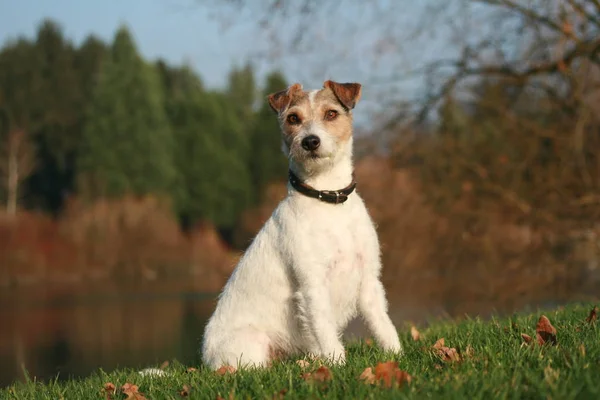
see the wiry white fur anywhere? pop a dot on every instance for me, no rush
(311, 268)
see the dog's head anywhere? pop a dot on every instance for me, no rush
(316, 125)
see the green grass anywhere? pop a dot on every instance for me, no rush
(500, 367)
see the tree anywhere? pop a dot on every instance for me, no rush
(17, 160)
(127, 144)
(267, 161)
(211, 150)
(20, 83)
(241, 92)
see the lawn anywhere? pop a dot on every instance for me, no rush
(478, 360)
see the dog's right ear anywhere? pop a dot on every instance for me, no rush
(279, 101)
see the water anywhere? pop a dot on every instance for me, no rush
(73, 330)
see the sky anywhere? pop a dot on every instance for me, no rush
(366, 44)
(175, 30)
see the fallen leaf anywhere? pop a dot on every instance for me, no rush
(109, 390)
(593, 316)
(546, 333)
(390, 375)
(526, 338)
(191, 369)
(164, 365)
(280, 395)
(185, 391)
(368, 376)
(448, 354)
(303, 364)
(226, 369)
(369, 342)
(322, 374)
(131, 391)
(416, 335)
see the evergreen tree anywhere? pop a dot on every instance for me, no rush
(127, 144)
(268, 162)
(210, 150)
(241, 92)
(58, 105)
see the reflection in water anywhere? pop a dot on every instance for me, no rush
(72, 331)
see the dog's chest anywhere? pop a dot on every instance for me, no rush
(343, 250)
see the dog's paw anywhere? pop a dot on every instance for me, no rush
(336, 357)
(394, 346)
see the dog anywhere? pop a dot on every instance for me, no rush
(315, 264)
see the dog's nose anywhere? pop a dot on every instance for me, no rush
(311, 143)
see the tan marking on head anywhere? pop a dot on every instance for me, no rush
(312, 107)
(281, 100)
(341, 126)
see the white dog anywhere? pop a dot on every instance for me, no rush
(316, 261)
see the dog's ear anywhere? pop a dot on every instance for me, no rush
(347, 93)
(279, 101)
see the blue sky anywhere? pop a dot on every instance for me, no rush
(363, 43)
(175, 30)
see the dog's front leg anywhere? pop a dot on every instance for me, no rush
(318, 315)
(373, 307)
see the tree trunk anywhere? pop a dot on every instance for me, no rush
(12, 184)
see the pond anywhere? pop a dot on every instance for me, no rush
(72, 330)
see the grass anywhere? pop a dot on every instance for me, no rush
(498, 366)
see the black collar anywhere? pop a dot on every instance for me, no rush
(328, 196)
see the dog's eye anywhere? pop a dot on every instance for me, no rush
(293, 119)
(330, 115)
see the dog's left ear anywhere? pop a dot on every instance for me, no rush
(347, 93)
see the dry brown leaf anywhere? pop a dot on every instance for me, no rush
(416, 335)
(109, 390)
(322, 374)
(369, 342)
(545, 332)
(526, 338)
(280, 395)
(131, 391)
(225, 369)
(191, 369)
(164, 365)
(593, 316)
(185, 391)
(303, 364)
(390, 375)
(367, 376)
(448, 354)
